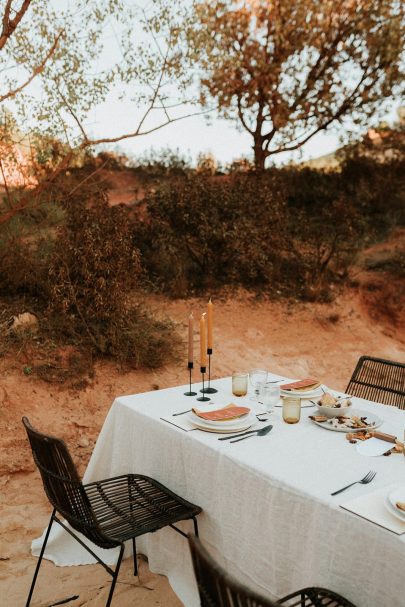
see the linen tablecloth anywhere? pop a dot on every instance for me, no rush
(268, 516)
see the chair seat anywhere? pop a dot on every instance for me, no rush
(130, 505)
(314, 597)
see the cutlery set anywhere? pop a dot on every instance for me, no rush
(240, 436)
(248, 434)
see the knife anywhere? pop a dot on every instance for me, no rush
(245, 433)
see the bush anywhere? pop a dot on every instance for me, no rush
(78, 271)
(244, 230)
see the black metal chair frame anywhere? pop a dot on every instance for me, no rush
(218, 589)
(379, 380)
(107, 512)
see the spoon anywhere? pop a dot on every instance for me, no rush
(261, 432)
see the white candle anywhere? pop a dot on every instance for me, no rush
(209, 323)
(203, 341)
(191, 338)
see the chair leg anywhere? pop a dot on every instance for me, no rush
(195, 526)
(134, 553)
(40, 559)
(115, 576)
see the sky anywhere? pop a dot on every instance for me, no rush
(194, 136)
(191, 136)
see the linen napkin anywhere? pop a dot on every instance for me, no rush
(302, 384)
(224, 414)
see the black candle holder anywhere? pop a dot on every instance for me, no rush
(203, 399)
(208, 389)
(190, 392)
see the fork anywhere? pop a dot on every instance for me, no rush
(364, 481)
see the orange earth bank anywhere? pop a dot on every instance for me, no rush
(300, 340)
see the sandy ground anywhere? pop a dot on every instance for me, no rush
(295, 340)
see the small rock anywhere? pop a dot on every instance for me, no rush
(24, 322)
(83, 442)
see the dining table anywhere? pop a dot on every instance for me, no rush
(268, 516)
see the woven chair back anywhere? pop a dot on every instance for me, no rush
(216, 587)
(379, 380)
(63, 486)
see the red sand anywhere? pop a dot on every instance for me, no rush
(297, 340)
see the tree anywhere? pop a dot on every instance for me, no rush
(287, 70)
(56, 67)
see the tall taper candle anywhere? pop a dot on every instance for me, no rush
(191, 338)
(209, 324)
(203, 342)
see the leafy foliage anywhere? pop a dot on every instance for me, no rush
(245, 230)
(288, 70)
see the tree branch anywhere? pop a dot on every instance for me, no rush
(72, 113)
(35, 72)
(9, 25)
(241, 116)
(338, 113)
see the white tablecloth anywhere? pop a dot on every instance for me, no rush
(268, 516)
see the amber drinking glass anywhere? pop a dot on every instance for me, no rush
(239, 384)
(291, 409)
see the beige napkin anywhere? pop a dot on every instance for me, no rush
(227, 413)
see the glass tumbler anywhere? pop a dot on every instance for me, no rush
(291, 409)
(239, 384)
(257, 378)
(269, 396)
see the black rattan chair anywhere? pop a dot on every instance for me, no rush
(379, 380)
(107, 512)
(218, 589)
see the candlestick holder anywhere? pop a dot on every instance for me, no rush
(203, 399)
(208, 389)
(190, 392)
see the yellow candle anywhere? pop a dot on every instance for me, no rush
(203, 342)
(209, 324)
(190, 338)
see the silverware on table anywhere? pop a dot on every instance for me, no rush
(248, 434)
(181, 413)
(243, 433)
(364, 481)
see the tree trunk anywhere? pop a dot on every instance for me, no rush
(259, 155)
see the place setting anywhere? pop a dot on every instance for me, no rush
(384, 507)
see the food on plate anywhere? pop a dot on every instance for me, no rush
(400, 505)
(302, 384)
(318, 418)
(353, 422)
(355, 436)
(328, 400)
(225, 414)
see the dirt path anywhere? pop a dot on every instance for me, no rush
(294, 340)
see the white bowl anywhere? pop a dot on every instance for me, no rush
(330, 412)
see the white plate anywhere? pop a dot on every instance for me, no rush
(371, 418)
(236, 425)
(397, 495)
(305, 404)
(394, 510)
(305, 393)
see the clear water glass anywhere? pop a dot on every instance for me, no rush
(257, 378)
(269, 396)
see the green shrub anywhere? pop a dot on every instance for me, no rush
(93, 272)
(244, 230)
